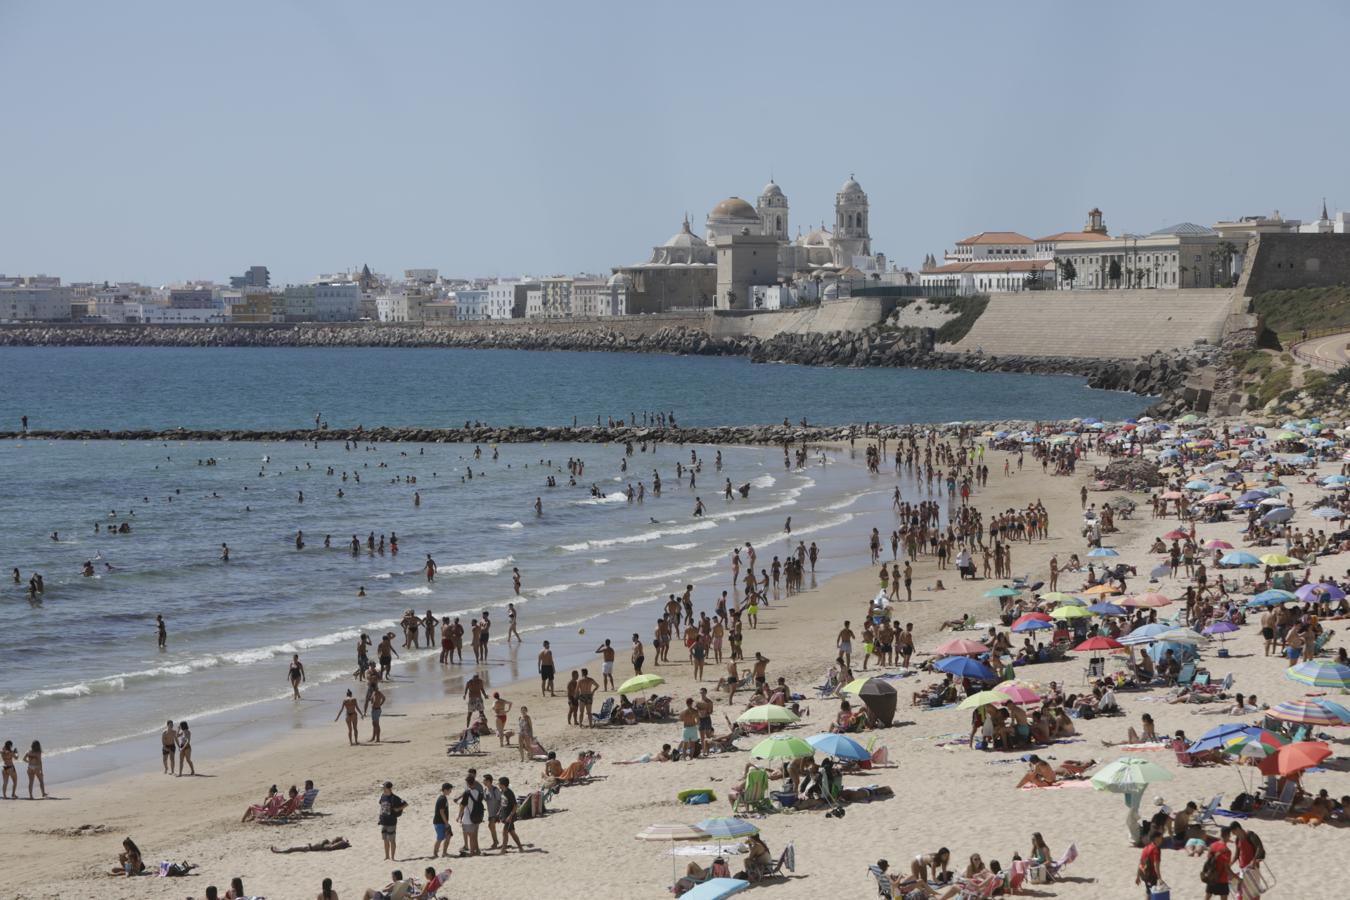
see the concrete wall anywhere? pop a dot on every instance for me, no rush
(1286, 261)
(1100, 324)
(851, 314)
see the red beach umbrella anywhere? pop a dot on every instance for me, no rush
(1294, 758)
(1101, 642)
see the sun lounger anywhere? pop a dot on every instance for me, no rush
(606, 714)
(786, 860)
(537, 751)
(467, 742)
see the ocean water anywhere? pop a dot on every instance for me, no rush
(83, 668)
(167, 387)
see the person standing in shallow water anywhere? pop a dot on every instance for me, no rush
(296, 675)
(162, 631)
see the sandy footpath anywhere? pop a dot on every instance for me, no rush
(945, 795)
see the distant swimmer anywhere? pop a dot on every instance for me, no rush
(787, 526)
(88, 570)
(296, 675)
(515, 580)
(538, 506)
(417, 498)
(224, 552)
(653, 521)
(698, 506)
(361, 591)
(299, 540)
(17, 578)
(162, 631)
(55, 536)
(302, 496)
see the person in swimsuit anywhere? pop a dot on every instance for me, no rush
(296, 675)
(162, 631)
(9, 790)
(168, 740)
(525, 733)
(352, 710)
(606, 651)
(586, 688)
(185, 749)
(33, 759)
(376, 705)
(500, 708)
(511, 618)
(546, 671)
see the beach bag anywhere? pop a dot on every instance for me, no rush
(1160, 891)
(476, 807)
(1207, 870)
(1038, 875)
(1242, 803)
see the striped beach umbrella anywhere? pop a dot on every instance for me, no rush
(1303, 712)
(1320, 673)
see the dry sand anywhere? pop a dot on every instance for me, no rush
(945, 796)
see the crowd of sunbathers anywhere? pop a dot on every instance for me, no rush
(930, 875)
(282, 806)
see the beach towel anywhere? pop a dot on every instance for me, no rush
(1058, 785)
(1143, 748)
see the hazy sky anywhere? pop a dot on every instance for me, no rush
(171, 140)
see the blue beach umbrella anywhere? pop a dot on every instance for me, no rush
(1327, 512)
(1145, 634)
(1322, 591)
(1180, 651)
(838, 745)
(1216, 736)
(728, 827)
(1106, 609)
(1239, 558)
(1199, 485)
(965, 667)
(1277, 515)
(1032, 625)
(1100, 552)
(1334, 708)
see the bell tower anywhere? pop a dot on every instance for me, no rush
(851, 237)
(772, 207)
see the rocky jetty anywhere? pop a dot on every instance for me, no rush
(1159, 374)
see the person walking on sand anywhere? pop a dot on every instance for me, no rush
(844, 643)
(471, 808)
(9, 788)
(606, 651)
(168, 746)
(391, 807)
(185, 750)
(296, 675)
(546, 671)
(33, 759)
(350, 708)
(500, 709)
(474, 694)
(586, 688)
(376, 706)
(440, 821)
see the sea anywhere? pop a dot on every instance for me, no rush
(83, 672)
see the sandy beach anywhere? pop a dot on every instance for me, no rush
(945, 794)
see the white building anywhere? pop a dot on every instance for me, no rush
(421, 276)
(34, 300)
(994, 262)
(323, 301)
(400, 306)
(472, 304)
(600, 297)
(153, 314)
(1180, 256)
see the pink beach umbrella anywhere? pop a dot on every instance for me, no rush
(960, 647)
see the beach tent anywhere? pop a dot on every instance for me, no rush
(880, 698)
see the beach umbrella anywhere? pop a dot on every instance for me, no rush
(1172, 495)
(1272, 597)
(716, 889)
(1176, 534)
(1216, 498)
(727, 828)
(1057, 597)
(1160, 571)
(1254, 495)
(782, 747)
(1320, 673)
(880, 698)
(1073, 601)
(1275, 516)
(1254, 743)
(1106, 609)
(960, 647)
(1101, 642)
(1102, 589)
(1032, 625)
(1272, 502)
(964, 667)
(840, 746)
(768, 714)
(1178, 635)
(1217, 544)
(1220, 627)
(1020, 692)
(1278, 560)
(1216, 736)
(669, 832)
(1336, 480)
(1320, 591)
(1129, 774)
(1034, 616)
(1102, 552)
(1070, 612)
(1199, 485)
(1303, 712)
(1183, 652)
(640, 684)
(1002, 592)
(1239, 558)
(1334, 708)
(984, 698)
(1148, 600)
(1145, 633)
(1294, 758)
(1327, 512)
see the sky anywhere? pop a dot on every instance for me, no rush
(163, 141)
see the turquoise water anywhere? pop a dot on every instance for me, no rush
(230, 387)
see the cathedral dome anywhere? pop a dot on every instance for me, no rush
(819, 237)
(686, 238)
(851, 187)
(618, 279)
(772, 190)
(734, 208)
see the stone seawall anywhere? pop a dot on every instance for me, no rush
(901, 348)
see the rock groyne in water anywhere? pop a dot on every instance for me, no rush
(1159, 374)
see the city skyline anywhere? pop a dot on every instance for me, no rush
(160, 144)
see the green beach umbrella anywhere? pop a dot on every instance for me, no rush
(984, 698)
(1129, 774)
(768, 714)
(1002, 592)
(780, 747)
(640, 683)
(1070, 612)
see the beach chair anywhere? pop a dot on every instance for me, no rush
(881, 757)
(606, 714)
(981, 887)
(1206, 815)
(1058, 865)
(786, 860)
(1187, 675)
(307, 801)
(1183, 757)
(537, 751)
(467, 742)
(283, 814)
(883, 882)
(753, 795)
(1284, 802)
(829, 687)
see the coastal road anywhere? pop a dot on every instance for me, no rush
(1329, 351)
